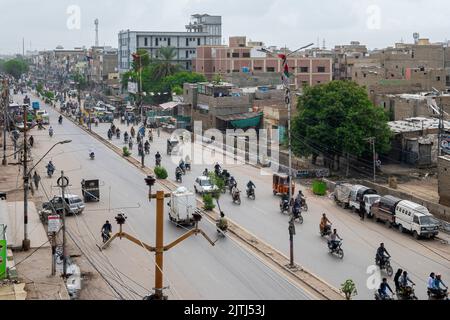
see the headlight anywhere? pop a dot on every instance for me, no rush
(423, 229)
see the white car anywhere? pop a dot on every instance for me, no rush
(204, 185)
(42, 114)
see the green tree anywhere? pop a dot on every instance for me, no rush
(180, 78)
(335, 120)
(164, 65)
(15, 67)
(217, 79)
(80, 80)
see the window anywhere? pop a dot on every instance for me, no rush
(258, 68)
(168, 42)
(165, 39)
(416, 219)
(198, 41)
(270, 69)
(146, 42)
(235, 70)
(187, 54)
(321, 69)
(246, 55)
(235, 54)
(438, 78)
(318, 82)
(157, 42)
(304, 69)
(228, 54)
(365, 75)
(187, 42)
(305, 83)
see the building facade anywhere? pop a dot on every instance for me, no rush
(241, 64)
(202, 30)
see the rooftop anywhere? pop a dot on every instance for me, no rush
(416, 124)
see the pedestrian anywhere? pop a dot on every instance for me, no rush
(31, 141)
(159, 132)
(36, 179)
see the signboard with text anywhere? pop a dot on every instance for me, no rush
(132, 87)
(54, 223)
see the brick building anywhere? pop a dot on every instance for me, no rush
(244, 65)
(444, 180)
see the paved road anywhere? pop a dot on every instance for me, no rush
(193, 270)
(361, 239)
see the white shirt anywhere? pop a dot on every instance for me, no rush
(430, 283)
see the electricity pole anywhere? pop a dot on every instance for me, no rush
(63, 182)
(5, 101)
(26, 180)
(372, 140)
(441, 128)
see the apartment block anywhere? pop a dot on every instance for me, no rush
(245, 65)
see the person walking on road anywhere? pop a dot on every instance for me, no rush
(36, 179)
(31, 141)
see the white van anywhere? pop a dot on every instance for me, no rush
(413, 217)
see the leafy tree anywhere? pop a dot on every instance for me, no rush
(336, 119)
(40, 88)
(217, 79)
(180, 78)
(80, 80)
(164, 65)
(15, 67)
(208, 201)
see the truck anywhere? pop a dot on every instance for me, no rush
(342, 194)
(384, 210)
(182, 207)
(416, 219)
(357, 196)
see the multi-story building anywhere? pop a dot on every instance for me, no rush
(202, 30)
(103, 64)
(245, 65)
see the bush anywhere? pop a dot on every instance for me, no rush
(161, 173)
(208, 201)
(126, 152)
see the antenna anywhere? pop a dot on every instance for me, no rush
(324, 45)
(96, 32)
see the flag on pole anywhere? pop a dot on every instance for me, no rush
(285, 76)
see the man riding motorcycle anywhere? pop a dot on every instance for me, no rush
(147, 147)
(50, 131)
(60, 119)
(217, 169)
(178, 174)
(405, 290)
(325, 224)
(296, 209)
(437, 286)
(50, 169)
(158, 159)
(382, 291)
(382, 255)
(250, 189)
(235, 193)
(284, 203)
(106, 231)
(182, 166)
(334, 242)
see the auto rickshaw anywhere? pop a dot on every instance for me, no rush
(281, 184)
(172, 146)
(90, 190)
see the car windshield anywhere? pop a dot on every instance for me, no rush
(373, 200)
(428, 221)
(205, 183)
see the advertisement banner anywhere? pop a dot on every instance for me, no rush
(132, 87)
(3, 259)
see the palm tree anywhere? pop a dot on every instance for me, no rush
(164, 65)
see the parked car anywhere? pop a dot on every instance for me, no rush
(75, 204)
(384, 209)
(414, 218)
(357, 196)
(204, 185)
(369, 200)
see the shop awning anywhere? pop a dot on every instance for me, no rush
(243, 120)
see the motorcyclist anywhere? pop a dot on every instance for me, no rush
(206, 173)
(284, 204)
(296, 209)
(147, 147)
(235, 192)
(182, 166)
(50, 168)
(188, 162)
(223, 223)
(178, 173)
(233, 183)
(217, 168)
(334, 242)
(50, 131)
(437, 285)
(106, 230)
(250, 185)
(301, 198)
(125, 136)
(60, 120)
(382, 291)
(158, 158)
(324, 223)
(382, 255)
(404, 281)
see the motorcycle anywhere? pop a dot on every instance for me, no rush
(442, 295)
(325, 232)
(284, 207)
(118, 134)
(106, 236)
(60, 120)
(50, 132)
(183, 168)
(386, 297)
(147, 150)
(158, 162)
(50, 172)
(237, 197)
(386, 266)
(179, 176)
(407, 293)
(297, 214)
(304, 205)
(188, 167)
(92, 155)
(336, 249)
(251, 194)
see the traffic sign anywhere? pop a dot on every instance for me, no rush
(63, 183)
(54, 223)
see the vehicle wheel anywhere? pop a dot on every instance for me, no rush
(401, 229)
(388, 224)
(196, 191)
(340, 254)
(389, 271)
(416, 235)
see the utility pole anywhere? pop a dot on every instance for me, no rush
(63, 182)
(5, 96)
(372, 141)
(26, 180)
(441, 127)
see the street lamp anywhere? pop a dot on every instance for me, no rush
(26, 179)
(286, 82)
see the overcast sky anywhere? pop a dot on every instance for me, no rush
(377, 23)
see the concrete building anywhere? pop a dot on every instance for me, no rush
(444, 180)
(220, 106)
(244, 65)
(202, 30)
(103, 64)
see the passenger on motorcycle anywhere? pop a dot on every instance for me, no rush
(382, 291)
(324, 223)
(404, 281)
(382, 256)
(397, 279)
(437, 285)
(178, 173)
(334, 242)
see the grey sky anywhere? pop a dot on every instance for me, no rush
(275, 22)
